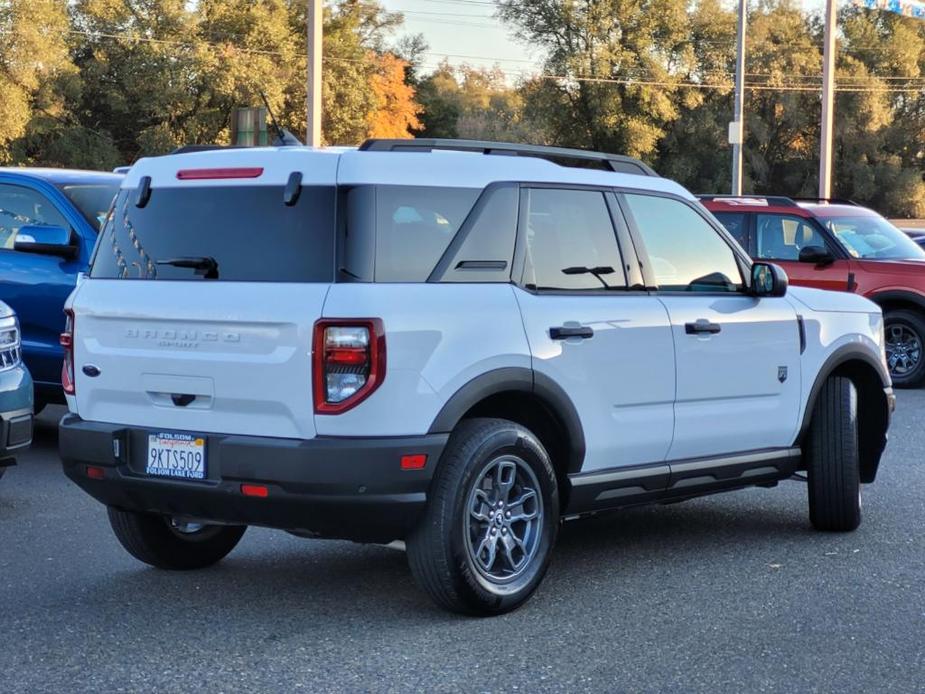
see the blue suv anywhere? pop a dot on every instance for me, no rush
(49, 219)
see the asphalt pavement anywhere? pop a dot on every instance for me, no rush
(732, 593)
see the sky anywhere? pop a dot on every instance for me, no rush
(465, 31)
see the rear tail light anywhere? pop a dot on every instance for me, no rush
(221, 173)
(67, 342)
(348, 362)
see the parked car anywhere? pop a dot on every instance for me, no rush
(449, 348)
(15, 391)
(49, 220)
(842, 246)
(917, 235)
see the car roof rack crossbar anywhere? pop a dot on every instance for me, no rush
(775, 200)
(560, 155)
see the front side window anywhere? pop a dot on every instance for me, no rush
(570, 241)
(872, 237)
(92, 200)
(686, 253)
(736, 224)
(782, 236)
(19, 207)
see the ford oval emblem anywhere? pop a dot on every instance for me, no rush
(91, 370)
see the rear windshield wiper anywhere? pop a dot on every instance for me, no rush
(203, 265)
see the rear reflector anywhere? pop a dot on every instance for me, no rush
(95, 473)
(413, 462)
(255, 490)
(203, 174)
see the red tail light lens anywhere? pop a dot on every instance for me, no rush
(206, 174)
(67, 341)
(348, 362)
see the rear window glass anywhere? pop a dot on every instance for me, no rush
(409, 226)
(231, 233)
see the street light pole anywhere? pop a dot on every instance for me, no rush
(736, 128)
(828, 102)
(313, 100)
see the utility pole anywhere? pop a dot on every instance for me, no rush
(736, 127)
(828, 102)
(313, 101)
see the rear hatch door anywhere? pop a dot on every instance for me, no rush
(206, 282)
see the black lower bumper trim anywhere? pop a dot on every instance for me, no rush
(350, 488)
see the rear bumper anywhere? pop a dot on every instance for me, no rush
(350, 488)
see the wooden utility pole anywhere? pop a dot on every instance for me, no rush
(313, 101)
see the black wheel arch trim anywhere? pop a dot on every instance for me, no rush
(521, 380)
(899, 295)
(872, 443)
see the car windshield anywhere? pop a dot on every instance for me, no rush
(92, 199)
(873, 238)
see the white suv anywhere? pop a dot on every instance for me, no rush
(451, 343)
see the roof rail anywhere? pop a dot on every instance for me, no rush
(560, 155)
(776, 200)
(187, 149)
(830, 201)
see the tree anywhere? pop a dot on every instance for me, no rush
(394, 112)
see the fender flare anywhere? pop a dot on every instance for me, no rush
(899, 295)
(520, 380)
(840, 356)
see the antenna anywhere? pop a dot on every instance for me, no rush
(284, 138)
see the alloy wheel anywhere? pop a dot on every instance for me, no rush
(903, 349)
(504, 517)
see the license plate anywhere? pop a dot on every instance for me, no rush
(177, 455)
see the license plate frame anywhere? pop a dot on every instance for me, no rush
(176, 455)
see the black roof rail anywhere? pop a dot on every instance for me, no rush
(830, 201)
(559, 155)
(777, 200)
(186, 149)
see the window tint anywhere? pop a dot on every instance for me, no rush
(687, 254)
(93, 200)
(414, 226)
(736, 223)
(20, 206)
(781, 237)
(249, 233)
(570, 241)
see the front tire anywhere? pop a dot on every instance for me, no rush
(833, 460)
(905, 347)
(486, 537)
(167, 544)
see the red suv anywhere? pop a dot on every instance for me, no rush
(836, 244)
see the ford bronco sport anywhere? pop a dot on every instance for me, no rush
(452, 348)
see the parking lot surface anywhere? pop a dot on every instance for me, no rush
(729, 593)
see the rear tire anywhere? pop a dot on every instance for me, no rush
(486, 537)
(905, 347)
(158, 541)
(833, 461)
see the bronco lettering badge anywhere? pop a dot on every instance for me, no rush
(781, 373)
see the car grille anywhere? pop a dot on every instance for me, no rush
(10, 349)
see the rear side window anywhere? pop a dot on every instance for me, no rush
(243, 233)
(571, 243)
(409, 227)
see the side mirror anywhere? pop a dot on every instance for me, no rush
(768, 280)
(45, 239)
(817, 255)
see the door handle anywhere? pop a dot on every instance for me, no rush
(702, 327)
(564, 332)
